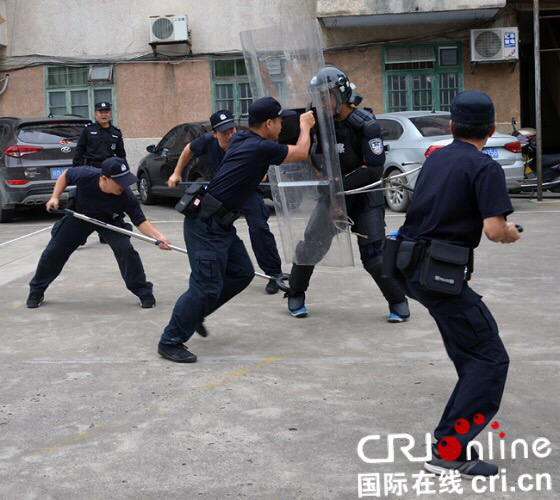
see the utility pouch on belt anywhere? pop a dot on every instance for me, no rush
(189, 204)
(390, 251)
(408, 257)
(444, 268)
(210, 206)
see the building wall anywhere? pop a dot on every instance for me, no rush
(109, 27)
(25, 94)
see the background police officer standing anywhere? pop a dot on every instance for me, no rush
(362, 155)
(215, 145)
(100, 140)
(460, 192)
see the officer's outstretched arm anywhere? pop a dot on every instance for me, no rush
(59, 188)
(498, 230)
(148, 229)
(184, 159)
(300, 151)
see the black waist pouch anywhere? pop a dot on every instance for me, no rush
(408, 257)
(189, 204)
(444, 268)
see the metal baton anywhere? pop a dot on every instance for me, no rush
(65, 211)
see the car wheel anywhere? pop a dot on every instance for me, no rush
(6, 214)
(398, 199)
(145, 190)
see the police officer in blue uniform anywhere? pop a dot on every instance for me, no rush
(100, 140)
(215, 144)
(220, 266)
(362, 156)
(460, 192)
(103, 194)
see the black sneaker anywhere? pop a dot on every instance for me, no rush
(296, 305)
(34, 300)
(178, 353)
(468, 469)
(201, 330)
(272, 287)
(148, 301)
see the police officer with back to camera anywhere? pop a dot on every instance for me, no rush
(460, 192)
(215, 144)
(362, 156)
(103, 194)
(220, 266)
(98, 141)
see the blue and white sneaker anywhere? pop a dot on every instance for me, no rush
(296, 305)
(398, 313)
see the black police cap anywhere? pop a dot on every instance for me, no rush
(267, 108)
(472, 107)
(222, 120)
(118, 170)
(104, 105)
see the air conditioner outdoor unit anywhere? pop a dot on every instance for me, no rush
(495, 44)
(169, 29)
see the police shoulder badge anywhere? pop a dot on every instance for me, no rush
(376, 146)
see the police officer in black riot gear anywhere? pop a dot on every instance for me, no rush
(362, 156)
(100, 140)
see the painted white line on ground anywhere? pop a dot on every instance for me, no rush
(25, 236)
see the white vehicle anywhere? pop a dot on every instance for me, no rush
(413, 135)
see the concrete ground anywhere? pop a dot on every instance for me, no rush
(275, 407)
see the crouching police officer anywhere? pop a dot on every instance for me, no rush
(220, 266)
(362, 156)
(460, 192)
(215, 145)
(102, 194)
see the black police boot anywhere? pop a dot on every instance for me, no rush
(468, 469)
(34, 300)
(201, 330)
(272, 287)
(148, 301)
(177, 353)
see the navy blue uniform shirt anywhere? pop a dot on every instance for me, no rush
(457, 189)
(244, 165)
(93, 202)
(208, 144)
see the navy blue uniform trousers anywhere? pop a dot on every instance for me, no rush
(67, 235)
(471, 338)
(262, 240)
(220, 269)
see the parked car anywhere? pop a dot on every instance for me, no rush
(413, 135)
(160, 162)
(33, 154)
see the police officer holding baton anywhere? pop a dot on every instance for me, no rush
(220, 266)
(215, 144)
(460, 192)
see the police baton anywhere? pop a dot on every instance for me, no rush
(280, 280)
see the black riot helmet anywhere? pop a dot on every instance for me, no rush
(336, 81)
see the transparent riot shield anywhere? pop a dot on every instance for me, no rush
(310, 208)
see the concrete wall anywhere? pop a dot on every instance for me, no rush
(81, 28)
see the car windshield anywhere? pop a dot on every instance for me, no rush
(56, 133)
(432, 125)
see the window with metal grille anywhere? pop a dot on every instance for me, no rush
(230, 87)
(74, 90)
(422, 77)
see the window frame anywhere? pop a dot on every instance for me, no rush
(434, 72)
(91, 88)
(236, 80)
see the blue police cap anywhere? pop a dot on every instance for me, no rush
(117, 169)
(99, 106)
(267, 108)
(472, 107)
